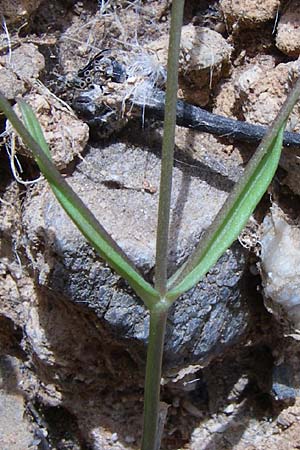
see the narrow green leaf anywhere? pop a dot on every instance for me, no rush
(33, 126)
(235, 219)
(73, 205)
(238, 206)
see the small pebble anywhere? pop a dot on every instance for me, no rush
(129, 439)
(114, 437)
(229, 409)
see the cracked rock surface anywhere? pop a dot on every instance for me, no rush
(208, 318)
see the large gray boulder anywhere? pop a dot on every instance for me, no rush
(119, 183)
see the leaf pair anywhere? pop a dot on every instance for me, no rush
(225, 229)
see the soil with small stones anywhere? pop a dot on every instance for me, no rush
(228, 404)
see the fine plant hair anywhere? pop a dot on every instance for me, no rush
(146, 66)
(225, 228)
(149, 78)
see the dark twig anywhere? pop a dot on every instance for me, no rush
(194, 117)
(97, 109)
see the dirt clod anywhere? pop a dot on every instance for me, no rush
(248, 13)
(288, 32)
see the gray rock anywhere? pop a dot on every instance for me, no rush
(285, 374)
(15, 430)
(282, 387)
(114, 182)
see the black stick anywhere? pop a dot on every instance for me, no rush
(194, 117)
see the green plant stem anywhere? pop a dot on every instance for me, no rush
(168, 149)
(158, 318)
(159, 312)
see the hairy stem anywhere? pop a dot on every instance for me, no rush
(151, 434)
(168, 149)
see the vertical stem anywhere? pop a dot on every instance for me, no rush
(158, 318)
(168, 149)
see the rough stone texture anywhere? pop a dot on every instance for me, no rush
(10, 84)
(103, 32)
(268, 435)
(15, 284)
(82, 326)
(248, 13)
(264, 92)
(65, 134)
(15, 433)
(19, 69)
(258, 91)
(18, 10)
(290, 161)
(288, 30)
(230, 412)
(204, 59)
(280, 259)
(262, 97)
(210, 316)
(226, 161)
(232, 93)
(25, 61)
